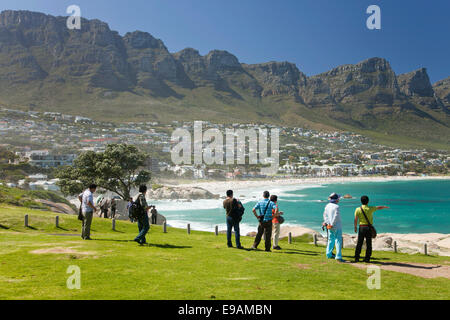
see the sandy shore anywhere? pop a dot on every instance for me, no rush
(219, 187)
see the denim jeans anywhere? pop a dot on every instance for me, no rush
(143, 226)
(334, 240)
(231, 223)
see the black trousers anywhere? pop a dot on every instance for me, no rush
(154, 216)
(266, 229)
(364, 233)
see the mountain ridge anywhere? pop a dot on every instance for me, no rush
(97, 72)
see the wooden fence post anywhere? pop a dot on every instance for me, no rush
(189, 228)
(57, 221)
(395, 246)
(26, 221)
(425, 249)
(315, 239)
(165, 227)
(290, 238)
(114, 224)
(217, 230)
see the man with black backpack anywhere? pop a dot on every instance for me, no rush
(265, 207)
(235, 211)
(366, 229)
(138, 211)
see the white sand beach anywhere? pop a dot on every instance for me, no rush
(219, 187)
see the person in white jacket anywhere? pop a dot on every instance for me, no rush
(332, 221)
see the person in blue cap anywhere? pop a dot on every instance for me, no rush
(332, 221)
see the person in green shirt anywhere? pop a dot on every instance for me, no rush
(364, 229)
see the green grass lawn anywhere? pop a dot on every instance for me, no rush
(180, 266)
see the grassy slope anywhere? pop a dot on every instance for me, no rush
(26, 198)
(181, 266)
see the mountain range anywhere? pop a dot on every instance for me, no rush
(98, 73)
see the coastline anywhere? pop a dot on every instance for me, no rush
(219, 187)
(437, 243)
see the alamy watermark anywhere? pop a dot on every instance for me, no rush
(74, 280)
(374, 20)
(73, 22)
(207, 147)
(374, 279)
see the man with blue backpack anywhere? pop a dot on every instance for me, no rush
(265, 207)
(235, 211)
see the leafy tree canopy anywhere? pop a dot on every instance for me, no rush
(118, 169)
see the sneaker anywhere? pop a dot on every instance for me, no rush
(240, 247)
(366, 260)
(88, 238)
(268, 250)
(277, 248)
(230, 246)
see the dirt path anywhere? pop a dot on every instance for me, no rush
(417, 269)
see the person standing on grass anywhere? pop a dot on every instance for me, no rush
(87, 210)
(113, 208)
(143, 223)
(265, 207)
(275, 222)
(230, 205)
(154, 214)
(365, 216)
(332, 221)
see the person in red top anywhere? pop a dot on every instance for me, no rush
(276, 223)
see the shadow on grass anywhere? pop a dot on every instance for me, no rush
(118, 231)
(61, 228)
(371, 259)
(168, 246)
(32, 228)
(4, 227)
(115, 240)
(405, 265)
(301, 252)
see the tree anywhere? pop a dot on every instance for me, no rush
(117, 169)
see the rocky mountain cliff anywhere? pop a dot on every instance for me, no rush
(97, 72)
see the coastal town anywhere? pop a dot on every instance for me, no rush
(47, 140)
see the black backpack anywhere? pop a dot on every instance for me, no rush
(237, 210)
(135, 211)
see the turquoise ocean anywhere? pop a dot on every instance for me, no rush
(417, 206)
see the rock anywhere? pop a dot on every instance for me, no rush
(252, 234)
(181, 193)
(382, 243)
(416, 83)
(57, 207)
(347, 196)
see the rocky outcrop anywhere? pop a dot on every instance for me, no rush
(179, 193)
(416, 83)
(277, 78)
(442, 90)
(370, 81)
(57, 207)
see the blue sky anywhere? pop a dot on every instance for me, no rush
(317, 35)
